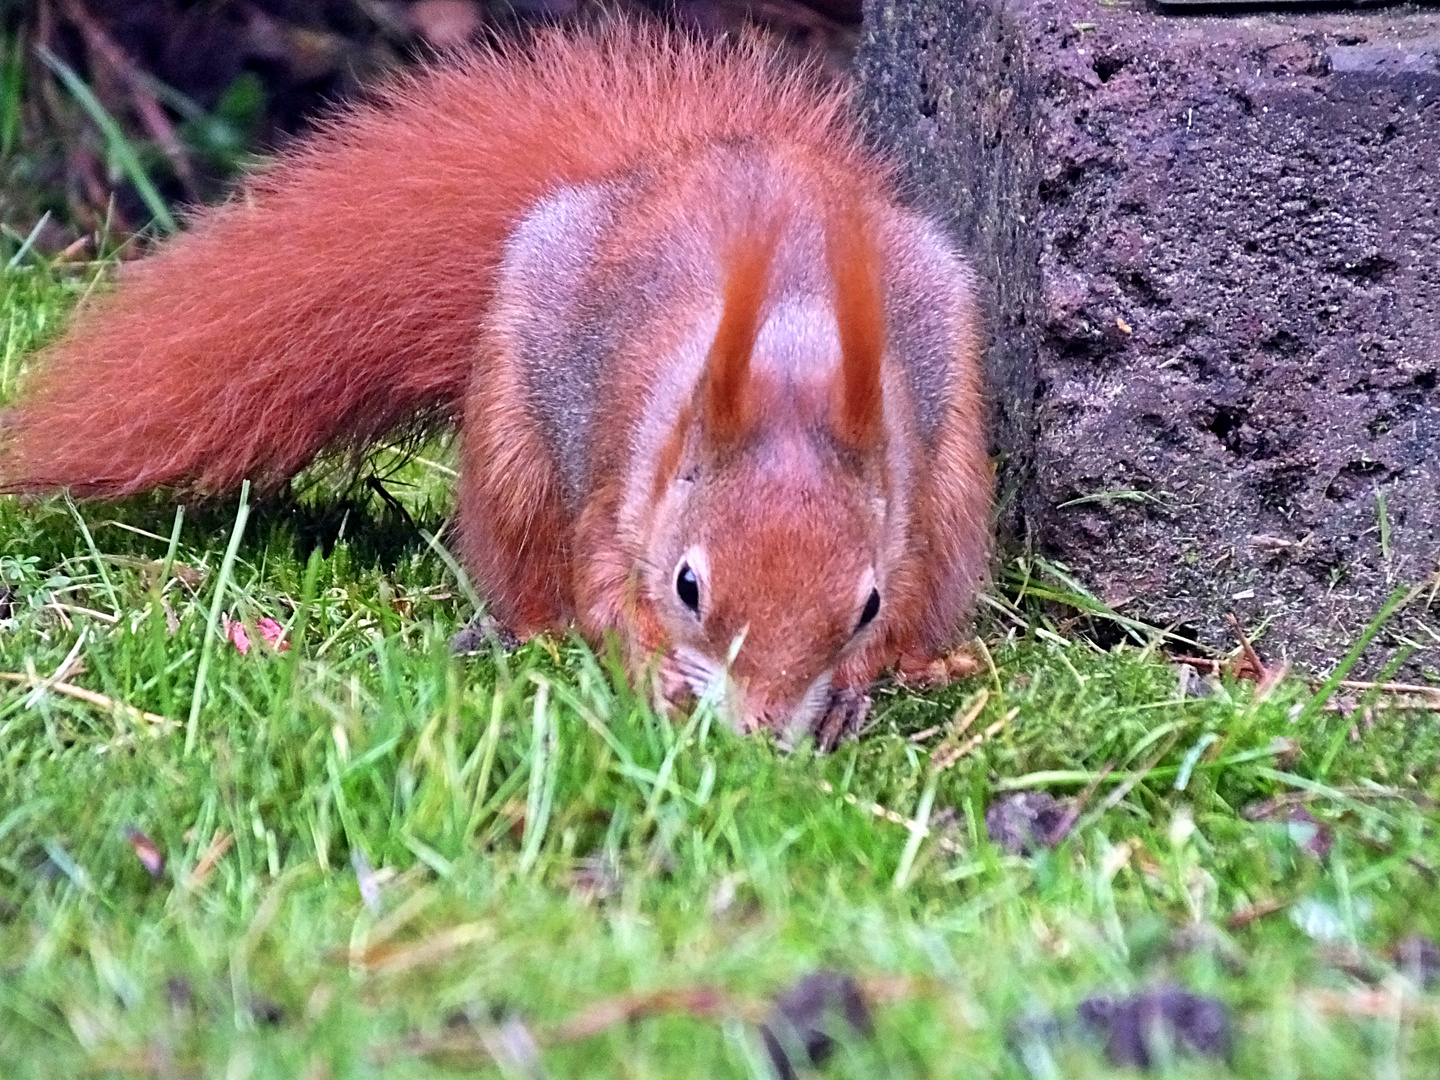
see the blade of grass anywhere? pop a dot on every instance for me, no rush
(12, 94)
(1328, 688)
(119, 145)
(1325, 791)
(296, 633)
(1076, 596)
(919, 828)
(461, 577)
(1382, 512)
(667, 767)
(207, 649)
(1337, 740)
(1076, 777)
(62, 861)
(94, 554)
(544, 766)
(91, 697)
(169, 563)
(486, 749)
(29, 242)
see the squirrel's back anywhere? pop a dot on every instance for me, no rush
(719, 393)
(340, 292)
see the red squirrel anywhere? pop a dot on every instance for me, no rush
(717, 391)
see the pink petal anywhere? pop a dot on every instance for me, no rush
(239, 637)
(273, 633)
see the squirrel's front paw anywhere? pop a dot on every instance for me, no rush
(843, 716)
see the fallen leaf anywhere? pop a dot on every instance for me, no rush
(594, 879)
(809, 1015)
(514, 1049)
(146, 851)
(1310, 834)
(179, 993)
(1306, 831)
(1136, 1028)
(480, 633)
(1022, 822)
(1419, 957)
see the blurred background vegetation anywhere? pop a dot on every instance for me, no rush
(116, 113)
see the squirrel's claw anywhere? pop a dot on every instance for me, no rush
(843, 717)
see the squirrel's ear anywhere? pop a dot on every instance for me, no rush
(727, 405)
(856, 400)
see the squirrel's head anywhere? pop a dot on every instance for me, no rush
(766, 560)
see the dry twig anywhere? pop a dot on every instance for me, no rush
(944, 842)
(1245, 916)
(89, 696)
(208, 861)
(1372, 1003)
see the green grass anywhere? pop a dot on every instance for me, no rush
(379, 855)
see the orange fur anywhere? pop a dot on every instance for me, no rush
(339, 295)
(556, 246)
(728, 407)
(860, 317)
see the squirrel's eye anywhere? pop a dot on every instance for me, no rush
(687, 587)
(872, 608)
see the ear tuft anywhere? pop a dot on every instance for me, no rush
(727, 405)
(856, 398)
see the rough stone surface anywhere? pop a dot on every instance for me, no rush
(1213, 248)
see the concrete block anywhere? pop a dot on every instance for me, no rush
(1213, 253)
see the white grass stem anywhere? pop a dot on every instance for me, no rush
(94, 554)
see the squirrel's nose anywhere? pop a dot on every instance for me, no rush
(755, 713)
(766, 714)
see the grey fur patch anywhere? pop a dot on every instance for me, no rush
(799, 338)
(927, 298)
(552, 320)
(566, 321)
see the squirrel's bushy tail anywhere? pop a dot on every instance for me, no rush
(344, 290)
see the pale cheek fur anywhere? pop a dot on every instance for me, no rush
(704, 677)
(805, 716)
